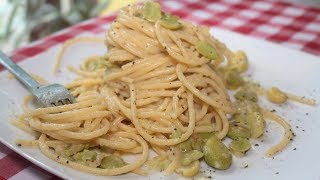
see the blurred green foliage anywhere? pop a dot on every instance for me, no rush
(24, 21)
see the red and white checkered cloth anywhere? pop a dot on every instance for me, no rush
(284, 23)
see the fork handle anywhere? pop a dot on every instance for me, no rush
(21, 75)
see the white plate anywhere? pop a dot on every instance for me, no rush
(270, 64)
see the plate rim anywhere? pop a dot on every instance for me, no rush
(51, 169)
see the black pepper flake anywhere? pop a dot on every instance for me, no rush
(19, 145)
(133, 63)
(67, 162)
(256, 145)
(273, 110)
(209, 177)
(175, 129)
(246, 166)
(58, 157)
(297, 127)
(294, 149)
(307, 114)
(277, 172)
(303, 130)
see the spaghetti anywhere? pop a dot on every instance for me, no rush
(157, 87)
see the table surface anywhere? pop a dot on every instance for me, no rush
(291, 25)
(315, 3)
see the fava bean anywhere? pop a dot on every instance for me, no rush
(111, 162)
(95, 63)
(183, 146)
(257, 124)
(206, 50)
(73, 149)
(276, 96)
(85, 155)
(158, 163)
(238, 131)
(199, 140)
(152, 11)
(190, 156)
(216, 154)
(246, 95)
(190, 170)
(171, 22)
(240, 145)
(233, 80)
(239, 62)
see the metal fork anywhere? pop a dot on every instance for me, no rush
(47, 96)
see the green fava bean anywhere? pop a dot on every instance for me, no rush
(245, 107)
(152, 11)
(190, 170)
(73, 149)
(276, 96)
(85, 155)
(206, 50)
(200, 139)
(238, 131)
(191, 156)
(183, 146)
(171, 22)
(257, 124)
(97, 63)
(216, 154)
(159, 163)
(239, 61)
(240, 145)
(246, 95)
(233, 80)
(205, 136)
(241, 119)
(111, 162)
